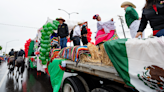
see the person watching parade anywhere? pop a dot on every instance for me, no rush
(153, 12)
(62, 32)
(132, 18)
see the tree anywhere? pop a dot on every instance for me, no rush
(0, 47)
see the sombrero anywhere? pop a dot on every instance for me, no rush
(127, 3)
(60, 19)
(79, 23)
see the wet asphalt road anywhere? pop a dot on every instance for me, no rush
(29, 83)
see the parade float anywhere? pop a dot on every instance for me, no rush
(118, 65)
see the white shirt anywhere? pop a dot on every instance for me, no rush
(109, 25)
(77, 31)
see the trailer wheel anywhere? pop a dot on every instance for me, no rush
(114, 88)
(91, 82)
(72, 84)
(101, 90)
(84, 83)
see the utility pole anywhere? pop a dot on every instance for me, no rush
(122, 21)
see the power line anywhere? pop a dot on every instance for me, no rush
(18, 26)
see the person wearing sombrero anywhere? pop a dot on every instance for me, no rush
(105, 30)
(131, 17)
(62, 32)
(77, 34)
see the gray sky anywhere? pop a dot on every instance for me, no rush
(34, 13)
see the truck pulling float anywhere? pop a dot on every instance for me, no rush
(123, 65)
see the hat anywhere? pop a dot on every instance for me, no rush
(79, 23)
(60, 19)
(127, 3)
(95, 16)
(86, 22)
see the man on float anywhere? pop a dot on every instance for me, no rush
(62, 32)
(132, 18)
(77, 34)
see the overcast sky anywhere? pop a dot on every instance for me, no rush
(34, 13)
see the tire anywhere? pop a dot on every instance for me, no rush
(73, 84)
(114, 88)
(91, 82)
(84, 83)
(101, 90)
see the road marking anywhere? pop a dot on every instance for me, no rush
(1, 82)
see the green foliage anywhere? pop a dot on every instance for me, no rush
(0, 47)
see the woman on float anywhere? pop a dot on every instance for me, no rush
(154, 13)
(105, 30)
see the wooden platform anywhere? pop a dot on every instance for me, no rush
(96, 69)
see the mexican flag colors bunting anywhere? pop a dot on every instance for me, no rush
(140, 63)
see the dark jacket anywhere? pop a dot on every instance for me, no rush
(156, 20)
(71, 35)
(15, 54)
(62, 30)
(21, 53)
(84, 30)
(11, 53)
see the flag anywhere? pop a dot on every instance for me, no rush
(140, 63)
(56, 74)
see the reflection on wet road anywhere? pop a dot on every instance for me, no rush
(29, 83)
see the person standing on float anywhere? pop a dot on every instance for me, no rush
(105, 30)
(77, 34)
(62, 32)
(84, 34)
(132, 18)
(153, 12)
